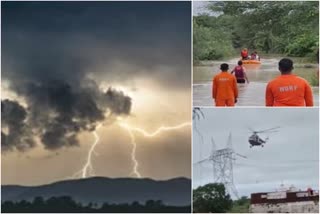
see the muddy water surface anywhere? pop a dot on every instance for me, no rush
(251, 94)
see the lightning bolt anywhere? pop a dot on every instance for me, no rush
(133, 154)
(145, 134)
(87, 169)
(156, 132)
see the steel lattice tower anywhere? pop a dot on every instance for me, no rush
(222, 162)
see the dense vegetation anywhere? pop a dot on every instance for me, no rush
(66, 204)
(288, 28)
(241, 205)
(213, 198)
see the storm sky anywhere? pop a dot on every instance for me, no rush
(68, 66)
(290, 157)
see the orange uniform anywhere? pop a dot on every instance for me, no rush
(224, 89)
(289, 90)
(244, 54)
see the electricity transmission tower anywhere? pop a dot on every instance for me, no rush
(222, 162)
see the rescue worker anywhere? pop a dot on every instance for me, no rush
(224, 87)
(288, 89)
(240, 73)
(244, 54)
(253, 55)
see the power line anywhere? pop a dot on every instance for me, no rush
(222, 163)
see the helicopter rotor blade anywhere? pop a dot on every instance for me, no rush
(268, 130)
(250, 129)
(271, 131)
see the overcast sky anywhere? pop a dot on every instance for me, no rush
(58, 61)
(200, 7)
(291, 156)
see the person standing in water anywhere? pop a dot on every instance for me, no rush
(288, 89)
(244, 53)
(224, 87)
(240, 73)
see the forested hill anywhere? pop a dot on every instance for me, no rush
(290, 28)
(176, 191)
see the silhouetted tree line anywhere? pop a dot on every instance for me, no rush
(66, 204)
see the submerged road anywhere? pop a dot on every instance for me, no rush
(252, 94)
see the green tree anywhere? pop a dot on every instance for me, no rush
(211, 198)
(281, 27)
(210, 40)
(65, 204)
(241, 205)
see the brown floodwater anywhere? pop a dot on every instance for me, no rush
(251, 94)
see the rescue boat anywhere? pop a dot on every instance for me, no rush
(251, 62)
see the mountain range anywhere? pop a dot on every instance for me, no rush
(176, 191)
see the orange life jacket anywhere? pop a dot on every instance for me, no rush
(244, 53)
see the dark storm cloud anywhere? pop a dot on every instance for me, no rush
(50, 49)
(45, 40)
(57, 113)
(117, 101)
(13, 118)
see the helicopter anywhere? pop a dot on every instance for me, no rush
(255, 140)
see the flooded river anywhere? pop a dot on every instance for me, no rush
(251, 94)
